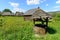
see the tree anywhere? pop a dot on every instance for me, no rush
(7, 10)
(0, 13)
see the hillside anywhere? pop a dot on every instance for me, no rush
(54, 12)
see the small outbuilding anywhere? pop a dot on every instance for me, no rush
(7, 14)
(19, 14)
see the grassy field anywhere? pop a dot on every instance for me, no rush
(15, 28)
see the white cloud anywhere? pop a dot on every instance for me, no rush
(16, 7)
(30, 2)
(58, 1)
(42, 1)
(54, 10)
(51, 10)
(57, 7)
(46, 4)
(45, 10)
(14, 4)
(33, 2)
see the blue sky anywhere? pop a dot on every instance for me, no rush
(24, 5)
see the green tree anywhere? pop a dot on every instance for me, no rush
(0, 13)
(7, 10)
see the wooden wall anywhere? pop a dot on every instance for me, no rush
(27, 17)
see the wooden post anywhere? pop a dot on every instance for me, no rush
(47, 21)
(34, 21)
(42, 22)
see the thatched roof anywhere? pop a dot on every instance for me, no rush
(7, 13)
(19, 13)
(30, 12)
(37, 12)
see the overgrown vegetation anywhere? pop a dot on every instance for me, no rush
(15, 28)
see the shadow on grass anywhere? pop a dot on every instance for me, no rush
(40, 25)
(48, 29)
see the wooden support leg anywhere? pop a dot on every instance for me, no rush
(47, 22)
(42, 22)
(34, 22)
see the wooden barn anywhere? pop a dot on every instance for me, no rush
(35, 13)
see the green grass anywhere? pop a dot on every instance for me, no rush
(15, 28)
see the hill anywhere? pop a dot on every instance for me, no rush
(54, 12)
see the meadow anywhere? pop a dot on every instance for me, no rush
(15, 28)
